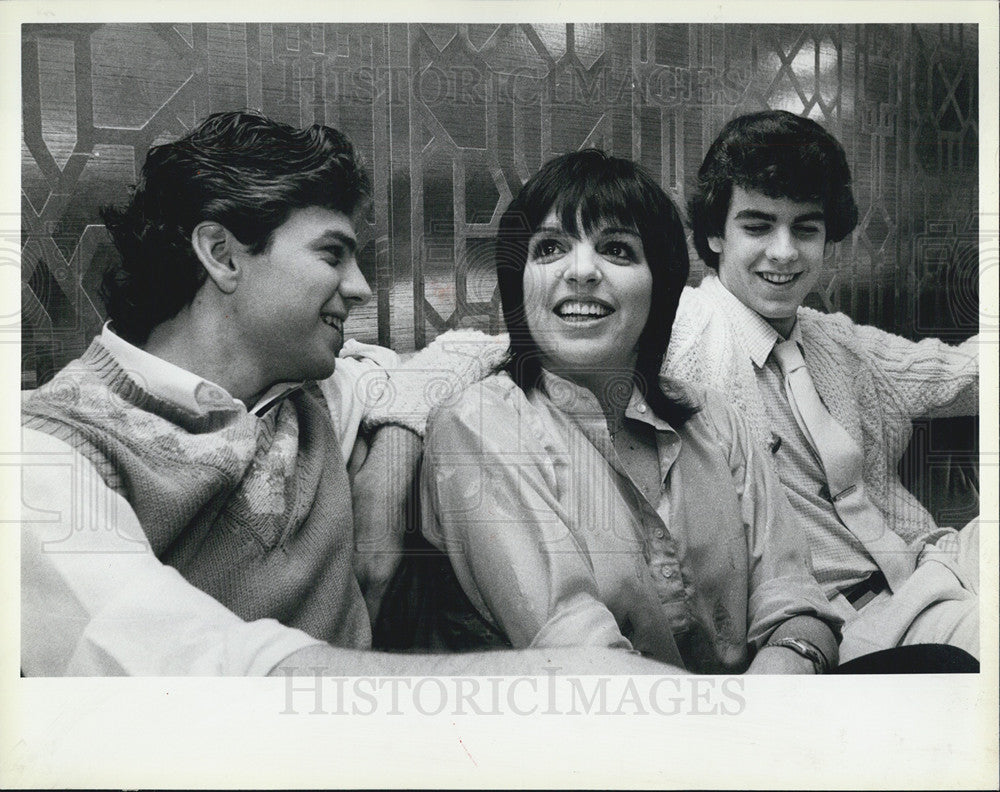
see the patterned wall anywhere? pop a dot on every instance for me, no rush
(452, 119)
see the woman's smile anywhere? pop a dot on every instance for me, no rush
(586, 298)
(582, 311)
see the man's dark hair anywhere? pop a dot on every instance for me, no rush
(239, 169)
(593, 188)
(781, 155)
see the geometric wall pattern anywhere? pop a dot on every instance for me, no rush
(452, 119)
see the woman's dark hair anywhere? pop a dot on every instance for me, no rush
(593, 188)
(781, 155)
(239, 169)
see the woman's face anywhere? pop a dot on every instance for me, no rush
(586, 300)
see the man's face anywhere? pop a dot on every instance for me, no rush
(294, 297)
(771, 253)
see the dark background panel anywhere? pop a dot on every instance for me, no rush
(452, 119)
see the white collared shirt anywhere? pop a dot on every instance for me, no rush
(839, 558)
(200, 396)
(95, 600)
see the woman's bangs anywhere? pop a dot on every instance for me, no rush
(597, 201)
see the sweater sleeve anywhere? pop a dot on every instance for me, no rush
(405, 395)
(95, 601)
(929, 377)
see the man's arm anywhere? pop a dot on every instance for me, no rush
(406, 395)
(383, 494)
(95, 600)
(924, 378)
(382, 464)
(359, 368)
(329, 661)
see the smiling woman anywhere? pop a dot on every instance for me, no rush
(586, 300)
(582, 500)
(586, 224)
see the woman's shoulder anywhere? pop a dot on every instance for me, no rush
(483, 405)
(492, 391)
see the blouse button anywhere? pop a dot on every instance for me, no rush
(666, 572)
(659, 533)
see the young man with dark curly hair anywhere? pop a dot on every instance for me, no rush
(832, 401)
(202, 515)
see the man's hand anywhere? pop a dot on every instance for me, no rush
(780, 660)
(405, 394)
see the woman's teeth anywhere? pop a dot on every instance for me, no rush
(582, 310)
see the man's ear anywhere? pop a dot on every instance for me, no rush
(828, 249)
(715, 244)
(215, 248)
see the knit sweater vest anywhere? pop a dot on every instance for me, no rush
(253, 510)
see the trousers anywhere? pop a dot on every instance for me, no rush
(938, 603)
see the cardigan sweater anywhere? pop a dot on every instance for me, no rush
(254, 510)
(874, 383)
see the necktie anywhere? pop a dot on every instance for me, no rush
(842, 462)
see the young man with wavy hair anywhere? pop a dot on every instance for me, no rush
(205, 516)
(830, 400)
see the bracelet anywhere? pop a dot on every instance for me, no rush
(807, 650)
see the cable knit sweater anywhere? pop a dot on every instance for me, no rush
(874, 383)
(405, 394)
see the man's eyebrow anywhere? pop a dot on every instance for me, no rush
(328, 238)
(754, 214)
(809, 217)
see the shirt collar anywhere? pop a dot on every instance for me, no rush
(579, 403)
(751, 329)
(585, 411)
(179, 386)
(795, 335)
